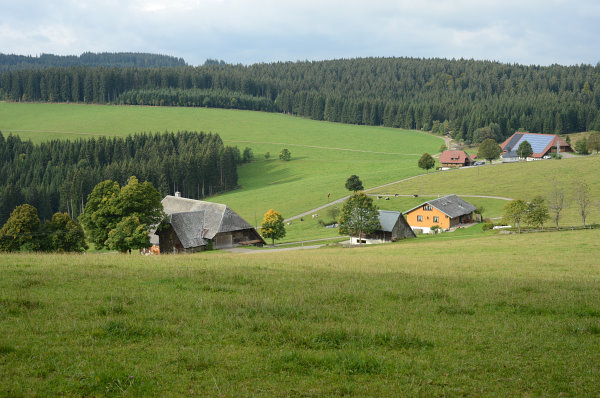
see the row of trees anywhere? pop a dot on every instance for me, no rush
(539, 210)
(23, 231)
(461, 96)
(115, 217)
(58, 175)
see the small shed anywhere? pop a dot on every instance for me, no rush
(510, 157)
(393, 227)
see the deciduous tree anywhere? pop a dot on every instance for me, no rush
(514, 212)
(537, 212)
(556, 201)
(65, 234)
(524, 150)
(359, 216)
(354, 184)
(21, 231)
(593, 142)
(272, 226)
(426, 162)
(489, 150)
(285, 154)
(583, 199)
(128, 234)
(108, 205)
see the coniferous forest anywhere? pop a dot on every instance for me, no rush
(461, 96)
(116, 60)
(59, 175)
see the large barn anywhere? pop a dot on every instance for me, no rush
(195, 225)
(541, 144)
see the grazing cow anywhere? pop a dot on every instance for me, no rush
(315, 215)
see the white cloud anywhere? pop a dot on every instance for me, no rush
(541, 32)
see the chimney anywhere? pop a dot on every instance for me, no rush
(178, 194)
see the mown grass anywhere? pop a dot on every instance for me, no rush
(492, 315)
(523, 180)
(324, 154)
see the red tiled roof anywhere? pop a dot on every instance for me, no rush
(454, 157)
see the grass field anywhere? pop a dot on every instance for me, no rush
(493, 315)
(522, 180)
(324, 154)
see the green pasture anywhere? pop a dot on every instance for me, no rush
(519, 315)
(324, 154)
(522, 180)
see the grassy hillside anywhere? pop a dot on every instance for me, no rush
(418, 317)
(324, 154)
(522, 180)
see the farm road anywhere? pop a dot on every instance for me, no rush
(317, 209)
(307, 213)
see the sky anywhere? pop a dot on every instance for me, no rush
(530, 32)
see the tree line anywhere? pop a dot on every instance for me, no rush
(59, 175)
(461, 96)
(116, 60)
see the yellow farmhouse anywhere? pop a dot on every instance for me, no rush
(447, 212)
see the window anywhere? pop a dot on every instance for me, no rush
(427, 207)
(419, 218)
(436, 219)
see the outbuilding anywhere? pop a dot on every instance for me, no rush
(393, 227)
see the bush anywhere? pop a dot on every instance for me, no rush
(487, 226)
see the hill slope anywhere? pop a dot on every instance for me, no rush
(324, 154)
(394, 92)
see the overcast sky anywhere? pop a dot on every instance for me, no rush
(540, 32)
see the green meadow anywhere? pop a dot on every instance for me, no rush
(519, 315)
(523, 180)
(324, 154)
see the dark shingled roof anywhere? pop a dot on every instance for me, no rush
(217, 217)
(189, 228)
(450, 205)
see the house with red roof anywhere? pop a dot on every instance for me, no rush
(455, 159)
(541, 144)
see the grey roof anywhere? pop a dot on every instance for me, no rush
(510, 154)
(388, 219)
(216, 217)
(450, 205)
(189, 228)
(516, 137)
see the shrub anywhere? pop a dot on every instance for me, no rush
(487, 226)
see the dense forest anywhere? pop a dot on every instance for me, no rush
(461, 96)
(114, 60)
(58, 175)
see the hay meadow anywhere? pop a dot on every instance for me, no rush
(324, 154)
(502, 315)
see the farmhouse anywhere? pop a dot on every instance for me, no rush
(447, 212)
(195, 225)
(455, 159)
(541, 144)
(393, 227)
